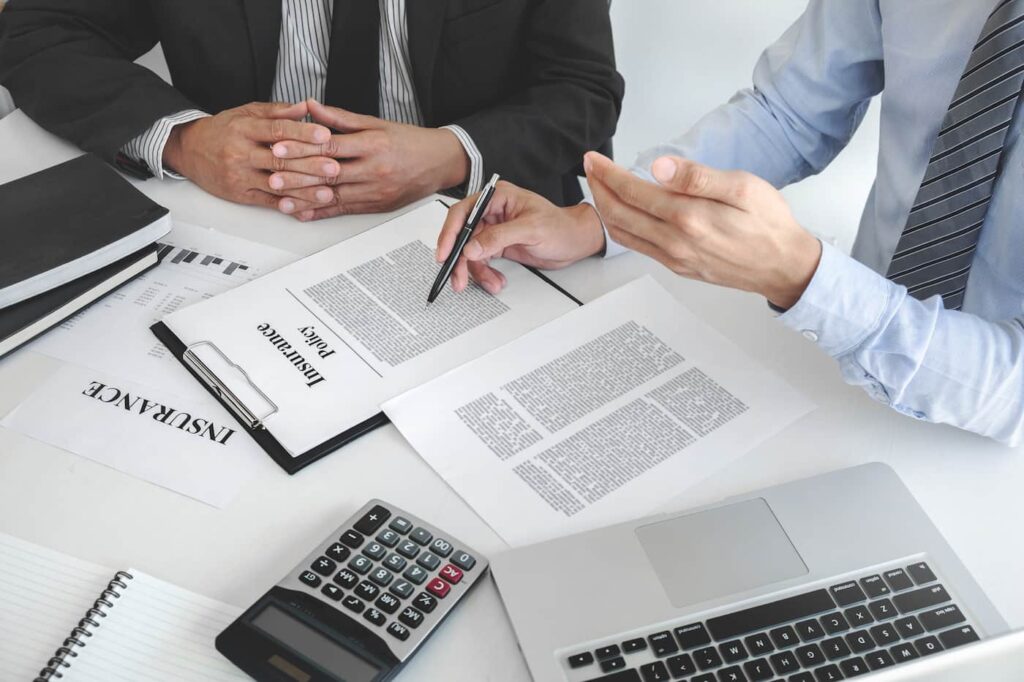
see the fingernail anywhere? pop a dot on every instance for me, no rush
(324, 195)
(664, 169)
(276, 182)
(588, 165)
(305, 216)
(473, 250)
(330, 169)
(280, 150)
(287, 206)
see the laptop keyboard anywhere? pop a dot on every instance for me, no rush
(844, 631)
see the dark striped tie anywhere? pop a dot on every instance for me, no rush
(935, 251)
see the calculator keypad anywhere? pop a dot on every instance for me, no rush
(390, 571)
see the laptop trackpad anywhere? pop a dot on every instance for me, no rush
(715, 553)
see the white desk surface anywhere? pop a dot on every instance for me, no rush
(971, 487)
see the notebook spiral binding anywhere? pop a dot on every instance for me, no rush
(84, 629)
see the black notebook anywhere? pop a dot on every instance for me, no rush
(68, 221)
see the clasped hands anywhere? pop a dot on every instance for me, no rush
(269, 155)
(723, 227)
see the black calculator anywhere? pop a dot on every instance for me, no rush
(359, 606)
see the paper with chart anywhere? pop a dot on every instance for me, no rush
(597, 417)
(325, 341)
(196, 263)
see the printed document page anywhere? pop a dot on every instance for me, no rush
(600, 416)
(325, 341)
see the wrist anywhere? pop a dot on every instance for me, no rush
(453, 159)
(790, 282)
(589, 228)
(175, 154)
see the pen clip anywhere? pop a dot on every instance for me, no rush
(482, 200)
(216, 381)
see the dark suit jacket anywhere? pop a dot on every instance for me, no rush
(532, 81)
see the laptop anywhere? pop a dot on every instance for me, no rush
(823, 579)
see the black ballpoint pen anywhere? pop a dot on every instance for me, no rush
(479, 208)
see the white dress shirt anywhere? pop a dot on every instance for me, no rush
(302, 74)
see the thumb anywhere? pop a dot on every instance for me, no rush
(697, 180)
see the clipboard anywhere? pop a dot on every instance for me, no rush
(253, 409)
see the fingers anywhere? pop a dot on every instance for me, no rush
(649, 198)
(295, 112)
(340, 119)
(734, 188)
(287, 183)
(312, 197)
(453, 223)
(489, 278)
(620, 216)
(270, 130)
(320, 166)
(335, 210)
(347, 146)
(255, 197)
(491, 241)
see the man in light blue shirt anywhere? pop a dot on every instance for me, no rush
(951, 168)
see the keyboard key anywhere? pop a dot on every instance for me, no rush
(958, 636)
(898, 580)
(395, 562)
(758, 670)
(810, 655)
(828, 673)
(375, 616)
(408, 549)
(921, 598)
(352, 539)
(464, 560)
(879, 659)
(884, 634)
(809, 630)
(398, 631)
(411, 617)
(441, 547)
(451, 574)
(415, 574)
(733, 674)
(834, 622)
(707, 677)
(429, 561)
(909, 627)
(438, 588)
(310, 578)
(346, 578)
(360, 565)
(400, 525)
(768, 615)
(353, 604)
(338, 552)
(614, 664)
(926, 646)
(332, 591)
(610, 651)
(421, 536)
(901, 653)
(940, 619)
(860, 641)
(375, 551)
(882, 609)
(631, 645)
(388, 603)
(847, 593)
(372, 520)
(681, 665)
(784, 662)
(382, 577)
(424, 602)
(835, 648)
(402, 588)
(692, 636)
(581, 660)
(663, 644)
(759, 644)
(874, 586)
(654, 672)
(784, 637)
(388, 538)
(707, 658)
(367, 590)
(854, 667)
(732, 651)
(921, 573)
(324, 566)
(802, 677)
(630, 675)
(859, 616)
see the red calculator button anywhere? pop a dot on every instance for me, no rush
(451, 574)
(438, 587)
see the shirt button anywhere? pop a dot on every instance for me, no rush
(810, 335)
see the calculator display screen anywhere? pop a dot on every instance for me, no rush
(316, 647)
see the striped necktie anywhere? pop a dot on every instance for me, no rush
(935, 251)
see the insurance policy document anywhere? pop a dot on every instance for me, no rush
(600, 416)
(325, 341)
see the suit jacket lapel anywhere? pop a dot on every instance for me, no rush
(264, 19)
(425, 21)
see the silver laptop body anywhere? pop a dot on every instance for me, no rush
(663, 597)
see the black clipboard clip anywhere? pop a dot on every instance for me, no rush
(211, 365)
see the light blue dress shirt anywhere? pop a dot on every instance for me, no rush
(810, 92)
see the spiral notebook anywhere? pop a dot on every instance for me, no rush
(67, 619)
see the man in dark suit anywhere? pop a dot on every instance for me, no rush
(421, 95)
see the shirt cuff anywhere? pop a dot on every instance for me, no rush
(611, 247)
(476, 159)
(843, 305)
(148, 148)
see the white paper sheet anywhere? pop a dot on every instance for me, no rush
(330, 338)
(192, 446)
(598, 417)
